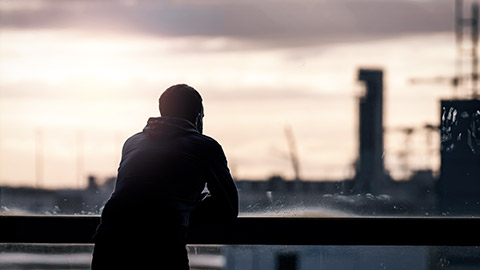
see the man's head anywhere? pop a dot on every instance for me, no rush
(182, 101)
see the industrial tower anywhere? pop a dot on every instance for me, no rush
(370, 176)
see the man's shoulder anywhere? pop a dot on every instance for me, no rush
(136, 136)
(202, 139)
(211, 142)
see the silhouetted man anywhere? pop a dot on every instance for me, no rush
(161, 185)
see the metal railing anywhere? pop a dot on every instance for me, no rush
(389, 231)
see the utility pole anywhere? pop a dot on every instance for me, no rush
(293, 152)
(39, 158)
(79, 158)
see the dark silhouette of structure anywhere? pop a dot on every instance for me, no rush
(370, 175)
(459, 183)
(88, 201)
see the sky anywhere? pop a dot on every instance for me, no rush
(79, 77)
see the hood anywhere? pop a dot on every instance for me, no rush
(165, 127)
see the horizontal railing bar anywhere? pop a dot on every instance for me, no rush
(385, 231)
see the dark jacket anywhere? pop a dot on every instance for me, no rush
(161, 180)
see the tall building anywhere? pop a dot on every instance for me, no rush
(459, 183)
(370, 174)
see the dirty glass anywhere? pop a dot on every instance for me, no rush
(323, 108)
(75, 256)
(350, 257)
(60, 256)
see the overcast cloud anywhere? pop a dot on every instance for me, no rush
(273, 22)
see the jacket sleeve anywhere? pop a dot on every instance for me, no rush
(222, 204)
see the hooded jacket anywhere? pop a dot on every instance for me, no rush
(163, 176)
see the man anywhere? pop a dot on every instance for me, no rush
(160, 184)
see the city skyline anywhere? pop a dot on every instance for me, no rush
(95, 87)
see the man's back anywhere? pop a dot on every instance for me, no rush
(164, 171)
(168, 160)
(161, 179)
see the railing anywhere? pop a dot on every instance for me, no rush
(388, 231)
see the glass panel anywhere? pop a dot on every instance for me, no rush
(74, 256)
(350, 257)
(323, 107)
(43, 256)
(56, 256)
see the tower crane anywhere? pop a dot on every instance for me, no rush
(470, 53)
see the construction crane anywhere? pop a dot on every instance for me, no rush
(470, 53)
(453, 81)
(293, 153)
(408, 132)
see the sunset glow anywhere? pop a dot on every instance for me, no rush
(86, 90)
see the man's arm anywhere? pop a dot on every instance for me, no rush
(222, 204)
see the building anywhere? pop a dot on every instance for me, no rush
(459, 183)
(370, 173)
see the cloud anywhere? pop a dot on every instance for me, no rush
(272, 22)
